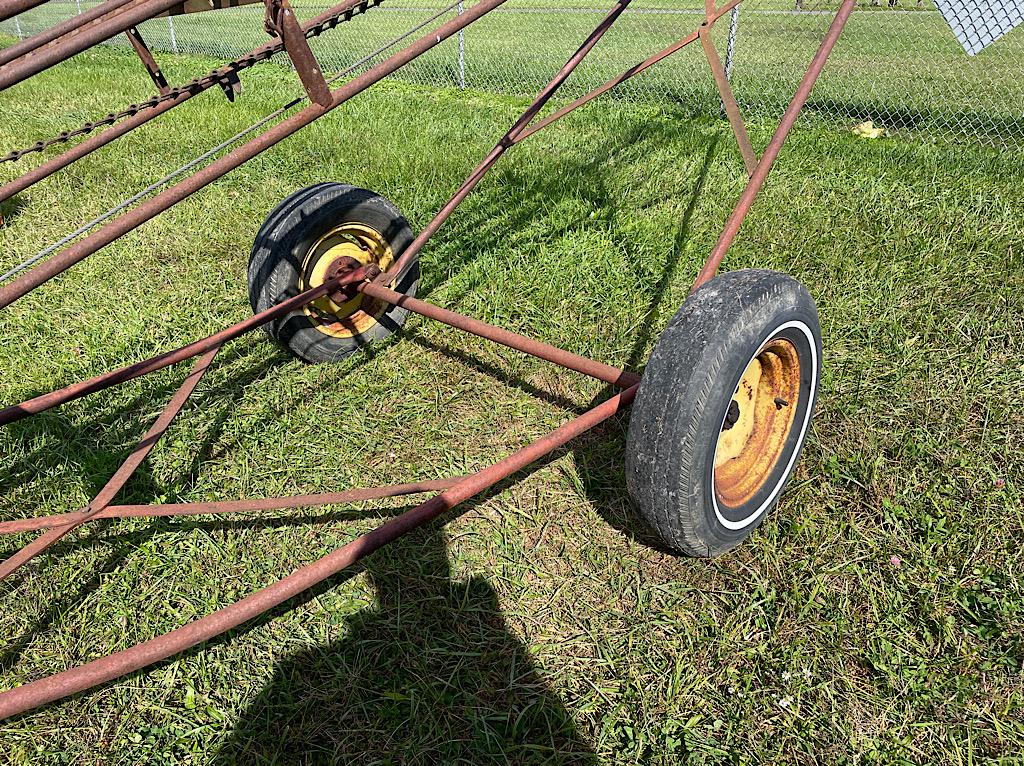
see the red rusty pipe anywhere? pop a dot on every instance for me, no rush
(618, 80)
(10, 8)
(61, 50)
(40, 39)
(228, 506)
(732, 109)
(171, 196)
(76, 390)
(99, 671)
(757, 179)
(559, 356)
(399, 266)
(121, 476)
(91, 144)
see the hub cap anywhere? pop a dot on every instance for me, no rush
(757, 423)
(338, 315)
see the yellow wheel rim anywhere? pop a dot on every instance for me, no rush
(758, 423)
(358, 314)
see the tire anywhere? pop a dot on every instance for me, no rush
(733, 380)
(305, 230)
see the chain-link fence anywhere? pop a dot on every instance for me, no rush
(897, 63)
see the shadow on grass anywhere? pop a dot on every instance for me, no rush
(430, 674)
(487, 222)
(9, 210)
(97, 445)
(601, 454)
(141, 486)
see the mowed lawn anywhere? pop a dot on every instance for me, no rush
(877, 616)
(902, 66)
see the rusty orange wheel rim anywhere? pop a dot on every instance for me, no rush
(358, 314)
(757, 425)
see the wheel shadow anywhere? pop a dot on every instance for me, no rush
(432, 673)
(600, 454)
(429, 674)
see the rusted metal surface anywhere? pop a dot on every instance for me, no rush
(732, 110)
(66, 47)
(771, 152)
(99, 671)
(146, 57)
(106, 380)
(758, 423)
(563, 358)
(199, 6)
(40, 39)
(281, 21)
(10, 8)
(342, 280)
(218, 507)
(508, 140)
(225, 76)
(183, 189)
(121, 476)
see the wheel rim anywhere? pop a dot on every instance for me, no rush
(332, 315)
(756, 426)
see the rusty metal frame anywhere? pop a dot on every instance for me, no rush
(281, 22)
(148, 61)
(82, 37)
(373, 283)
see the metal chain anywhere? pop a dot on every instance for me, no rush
(223, 74)
(223, 145)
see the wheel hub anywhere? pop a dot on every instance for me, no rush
(758, 422)
(345, 312)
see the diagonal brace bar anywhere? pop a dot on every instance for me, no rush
(732, 110)
(72, 24)
(121, 476)
(66, 47)
(771, 152)
(146, 56)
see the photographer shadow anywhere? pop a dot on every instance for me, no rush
(429, 674)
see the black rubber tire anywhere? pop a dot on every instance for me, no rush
(282, 242)
(685, 393)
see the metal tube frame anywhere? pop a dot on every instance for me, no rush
(72, 24)
(86, 36)
(372, 282)
(141, 117)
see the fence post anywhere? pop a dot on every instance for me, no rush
(17, 29)
(462, 54)
(78, 6)
(730, 46)
(170, 28)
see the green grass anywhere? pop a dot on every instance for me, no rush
(901, 67)
(535, 624)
